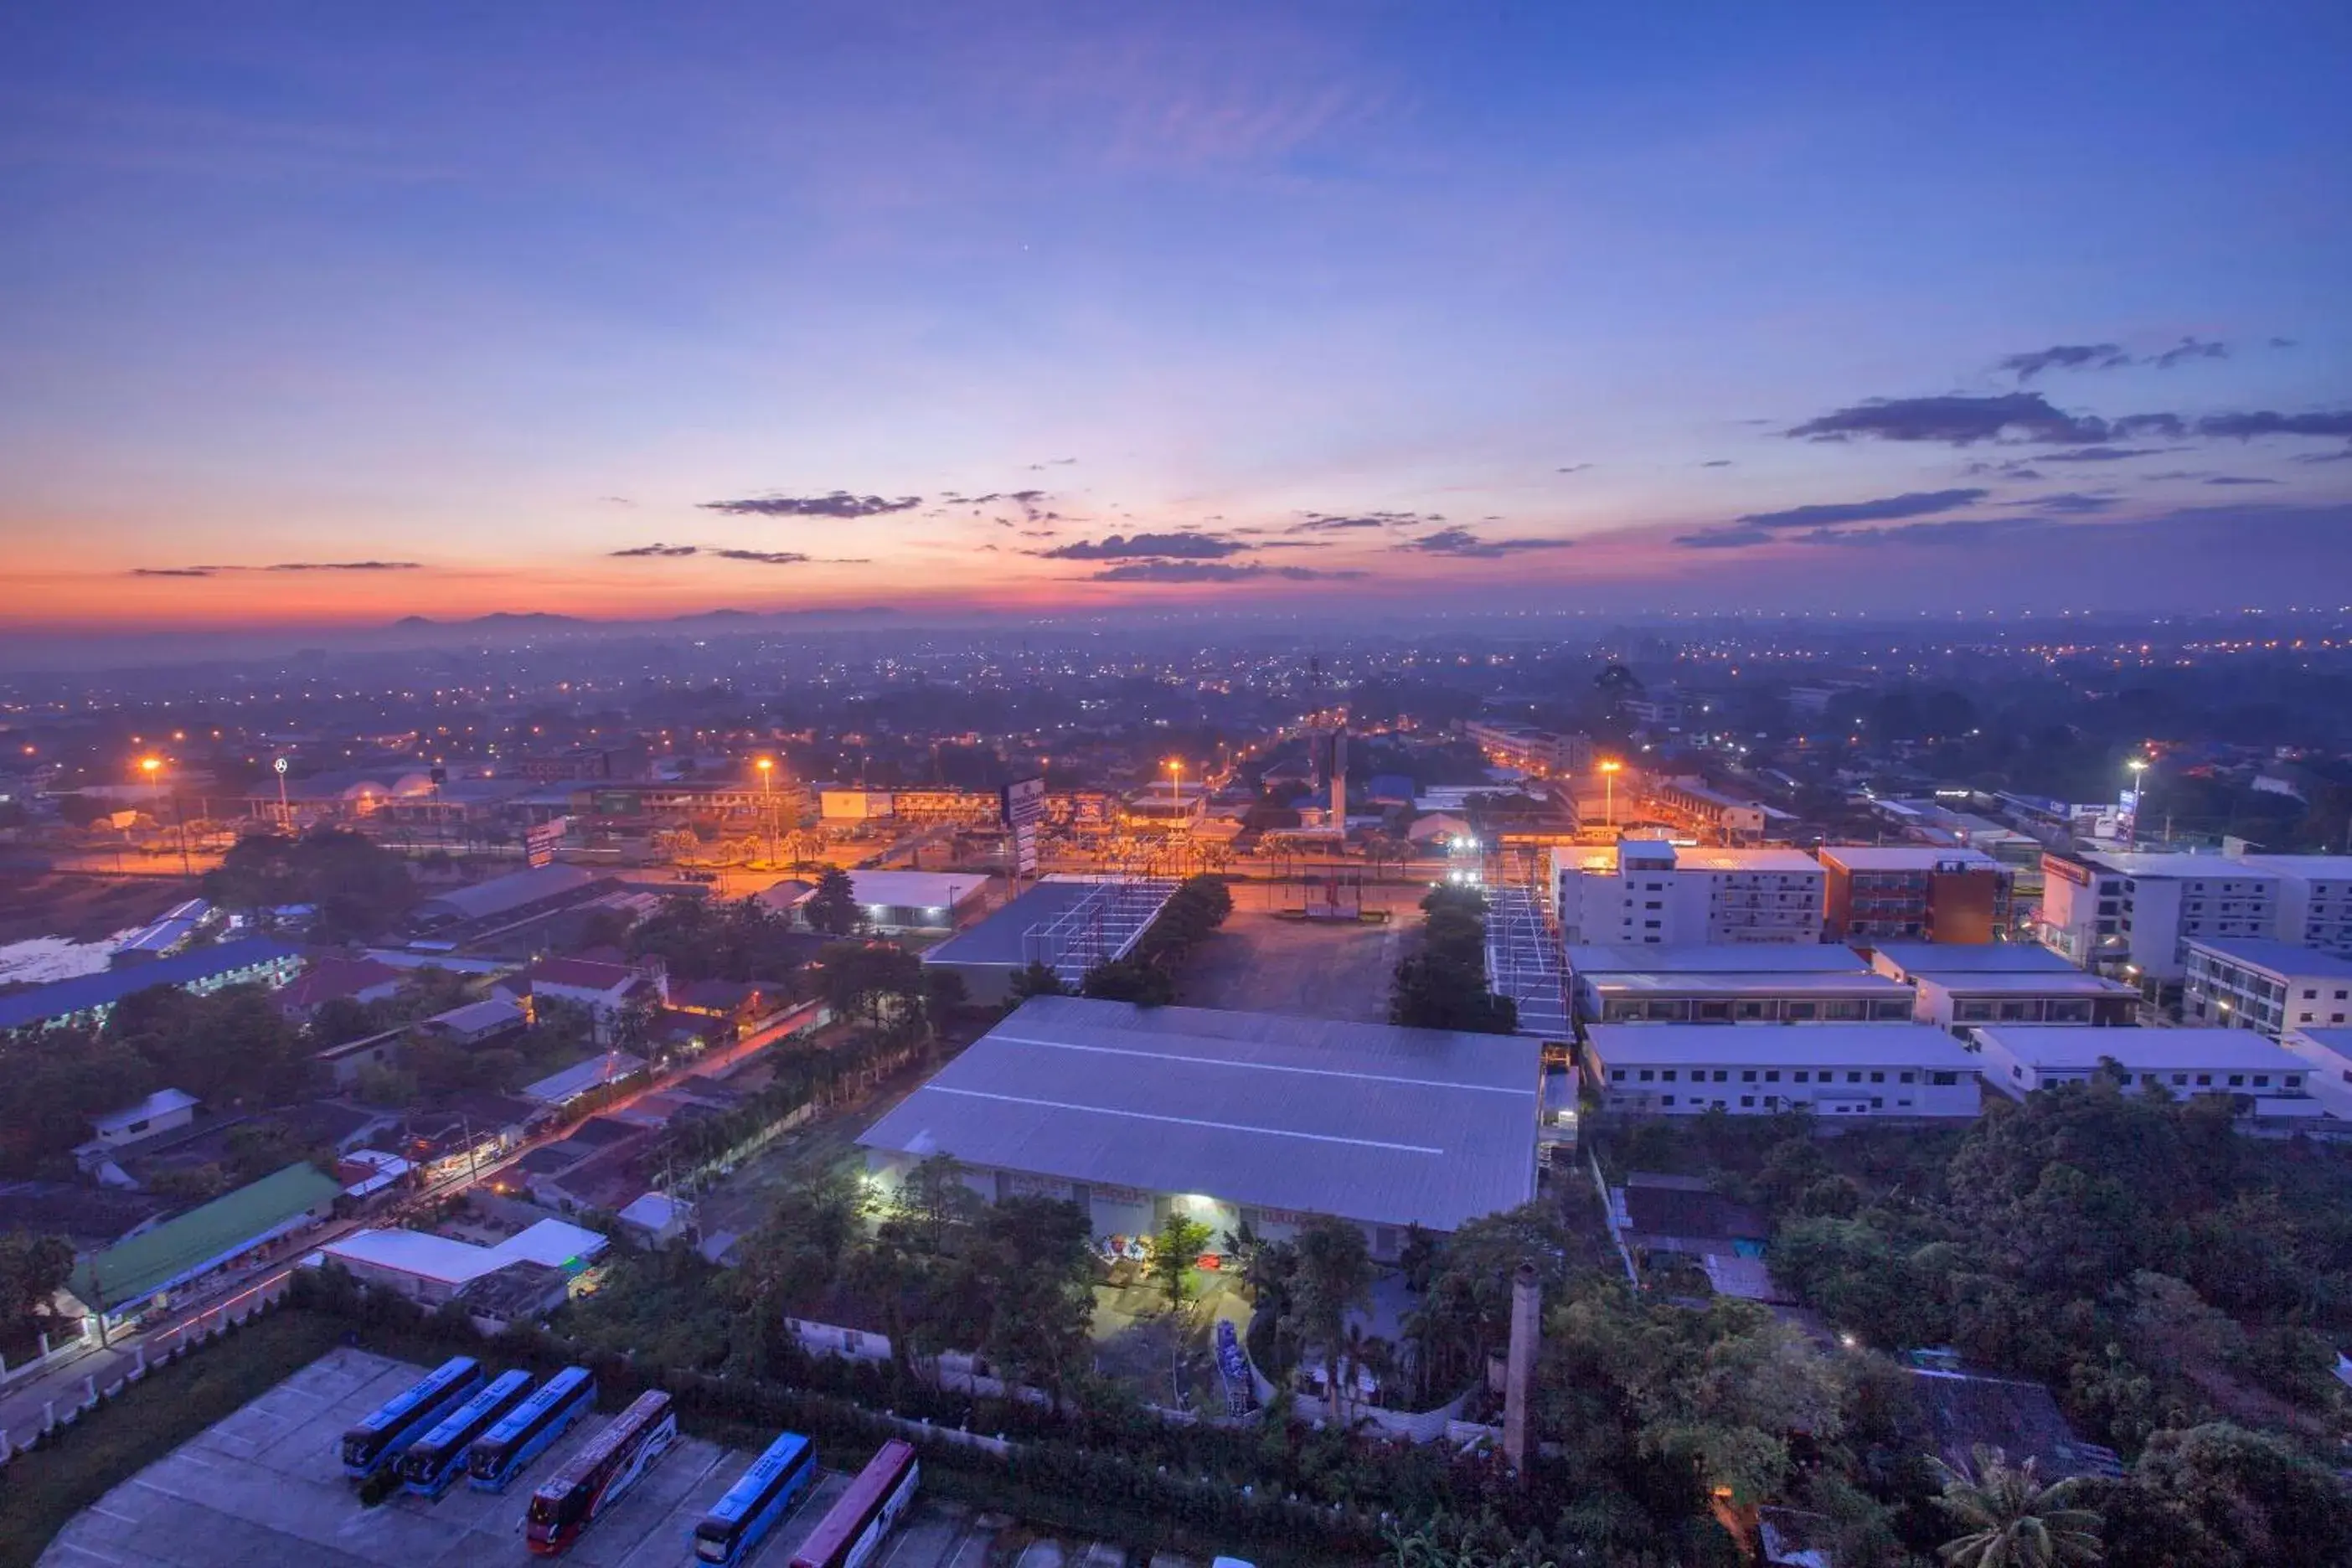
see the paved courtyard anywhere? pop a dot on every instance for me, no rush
(1260, 963)
(266, 1486)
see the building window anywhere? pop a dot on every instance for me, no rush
(1908, 1076)
(1668, 1075)
(1945, 1078)
(1854, 1077)
(1801, 1076)
(1748, 1075)
(1748, 1101)
(1665, 1099)
(2237, 1080)
(1771, 1075)
(1647, 1075)
(1617, 1075)
(1877, 1077)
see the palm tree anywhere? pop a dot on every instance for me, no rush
(2010, 1519)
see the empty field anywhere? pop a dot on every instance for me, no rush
(1259, 963)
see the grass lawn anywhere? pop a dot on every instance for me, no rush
(40, 1490)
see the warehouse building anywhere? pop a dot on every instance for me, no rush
(1135, 1113)
(907, 900)
(2262, 1078)
(189, 1248)
(1743, 983)
(1069, 925)
(91, 998)
(1896, 1070)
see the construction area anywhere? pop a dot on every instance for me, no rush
(266, 1485)
(1259, 962)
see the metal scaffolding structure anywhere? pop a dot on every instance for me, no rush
(1100, 927)
(1523, 962)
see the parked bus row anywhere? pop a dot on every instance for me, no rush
(452, 1422)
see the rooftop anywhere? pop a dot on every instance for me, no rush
(997, 939)
(333, 976)
(1602, 860)
(1815, 1045)
(2066, 981)
(179, 1249)
(2133, 863)
(1703, 983)
(2281, 958)
(1940, 959)
(2336, 867)
(915, 889)
(2058, 1047)
(162, 1103)
(1364, 1120)
(551, 1243)
(58, 998)
(573, 1081)
(515, 891)
(580, 974)
(1906, 857)
(1717, 958)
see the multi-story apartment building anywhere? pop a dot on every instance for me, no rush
(1546, 752)
(1915, 892)
(2315, 898)
(1648, 891)
(2261, 1078)
(2130, 913)
(1691, 803)
(1842, 1070)
(2267, 986)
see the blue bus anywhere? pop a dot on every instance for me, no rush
(500, 1453)
(408, 1416)
(737, 1522)
(438, 1457)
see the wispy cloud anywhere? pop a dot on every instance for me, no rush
(1574, 468)
(1463, 544)
(838, 503)
(1911, 504)
(2246, 427)
(656, 550)
(1215, 572)
(1127, 547)
(2189, 349)
(280, 566)
(2065, 356)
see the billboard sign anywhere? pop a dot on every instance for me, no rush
(540, 842)
(1023, 804)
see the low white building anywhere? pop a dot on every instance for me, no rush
(2264, 1078)
(1961, 987)
(1650, 892)
(431, 1269)
(2328, 1053)
(1848, 1071)
(162, 1111)
(2267, 986)
(908, 900)
(1743, 983)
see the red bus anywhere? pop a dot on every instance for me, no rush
(848, 1535)
(606, 1466)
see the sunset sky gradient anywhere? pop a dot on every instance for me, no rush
(316, 314)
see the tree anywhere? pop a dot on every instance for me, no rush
(1130, 979)
(2008, 1519)
(1173, 1250)
(833, 908)
(1037, 980)
(872, 981)
(1333, 1278)
(32, 1269)
(944, 995)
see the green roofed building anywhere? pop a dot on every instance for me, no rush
(181, 1250)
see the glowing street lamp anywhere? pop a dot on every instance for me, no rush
(767, 766)
(2138, 767)
(153, 768)
(1176, 784)
(1609, 772)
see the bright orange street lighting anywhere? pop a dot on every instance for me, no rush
(1176, 785)
(767, 766)
(1610, 769)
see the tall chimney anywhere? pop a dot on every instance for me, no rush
(1519, 1378)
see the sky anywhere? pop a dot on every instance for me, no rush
(332, 315)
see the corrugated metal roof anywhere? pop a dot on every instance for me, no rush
(1939, 959)
(83, 992)
(1780, 1045)
(127, 1274)
(1715, 958)
(2060, 1046)
(1362, 1121)
(513, 891)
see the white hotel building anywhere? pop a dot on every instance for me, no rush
(1846, 1070)
(1649, 892)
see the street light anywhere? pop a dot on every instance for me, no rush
(767, 766)
(153, 768)
(1176, 785)
(1609, 772)
(2138, 767)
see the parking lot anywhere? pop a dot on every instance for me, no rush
(266, 1486)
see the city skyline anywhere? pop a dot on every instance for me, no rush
(325, 322)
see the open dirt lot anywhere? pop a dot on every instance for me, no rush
(265, 1486)
(1259, 963)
